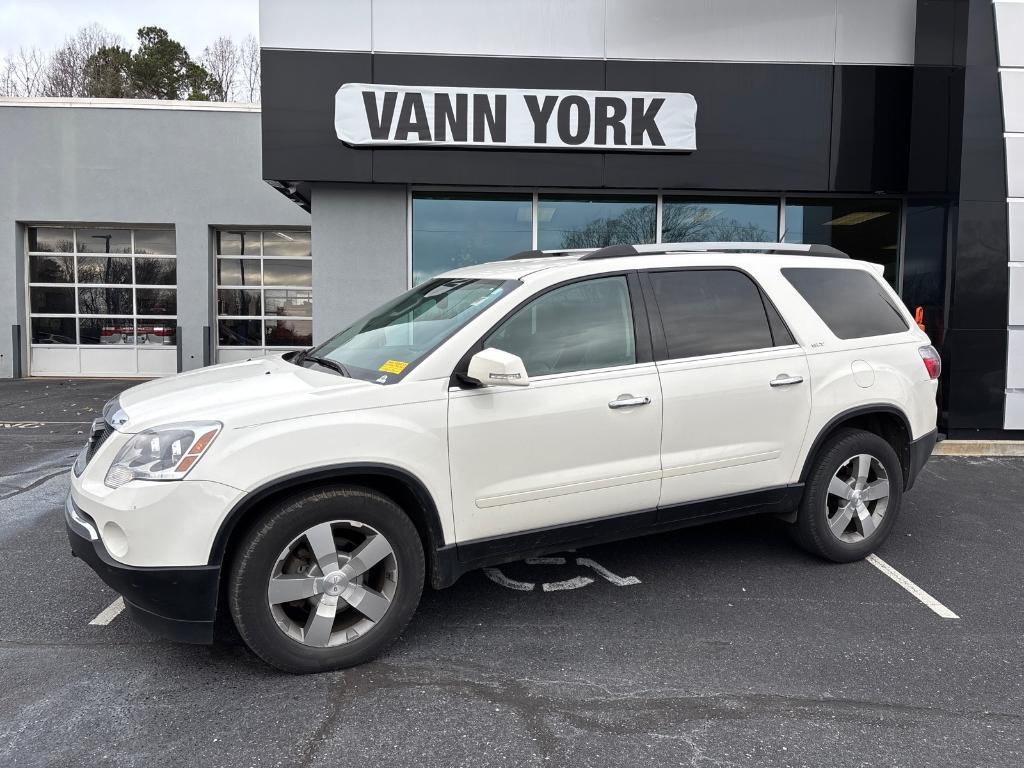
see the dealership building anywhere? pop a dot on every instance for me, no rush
(399, 139)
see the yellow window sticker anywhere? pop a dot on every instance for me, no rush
(393, 366)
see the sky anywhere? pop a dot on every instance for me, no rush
(194, 23)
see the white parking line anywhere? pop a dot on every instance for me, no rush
(911, 587)
(109, 613)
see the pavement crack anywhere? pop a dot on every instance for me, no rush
(35, 484)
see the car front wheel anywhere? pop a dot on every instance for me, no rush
(326, 579)
(852, 497)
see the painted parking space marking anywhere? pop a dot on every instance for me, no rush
(108, 614)
(577, 582)
(911, 587)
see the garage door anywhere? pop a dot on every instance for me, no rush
(102, 301)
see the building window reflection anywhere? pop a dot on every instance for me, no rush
(867, 229)
(264, 291)
(452, 231)
(572, 221)
(695, 219)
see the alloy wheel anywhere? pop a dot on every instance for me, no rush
(333, 583)
(858, 495)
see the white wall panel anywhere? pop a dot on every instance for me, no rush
(50, 361)
(1015, 165)
(566, 28)
(1010, 33)
(1015, 359)
(158, 362)
(228, 355)
(113, 361)
(875, 31)
(713, 30)
(1017, 294)
(1014, 418)
(1017, 230)
(1013, 98)
(329, 25)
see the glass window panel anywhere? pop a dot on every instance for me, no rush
(865, 229)
(582, 326)
(149, 271)
(289, 303)
(156, 333)
(51, 239)
(594, 222)
(850, 302)
(924, 264)
(52, 301)
(232, 301)
(105, 301)
(286, 243)
(691, 219)
(53, 330)
(452, 231)
(104, 240)
(105, 269)
(238, 271)
(156, 301)
(238, 242)
(710, 312)
(289, 333)
(157, 242)
(239, 333)
(51, 269)
(106, 330)
(278, 272)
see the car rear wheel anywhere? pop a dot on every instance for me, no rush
(852, 497)
(326, 579)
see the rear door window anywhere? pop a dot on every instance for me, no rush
(710, 312)
(851, 302)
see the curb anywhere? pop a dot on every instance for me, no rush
(979, 448)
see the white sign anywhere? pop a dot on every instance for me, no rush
(397, 115)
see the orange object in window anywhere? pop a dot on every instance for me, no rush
(919, 317)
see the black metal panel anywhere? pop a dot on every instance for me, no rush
(977, 378)
(299, 143)
(977, 339)
(871, 117)
(759, 126)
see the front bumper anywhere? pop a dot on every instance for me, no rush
(919, 450)
(177, 603)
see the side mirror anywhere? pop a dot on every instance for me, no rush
(492, 367)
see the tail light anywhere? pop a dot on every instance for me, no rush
(932, 361)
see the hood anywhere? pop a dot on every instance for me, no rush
(237, 394)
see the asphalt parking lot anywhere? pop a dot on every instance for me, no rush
(722, 645)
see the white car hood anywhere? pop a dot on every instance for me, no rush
(237, 394)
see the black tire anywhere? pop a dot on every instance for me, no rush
(811, 529)
(258, 552)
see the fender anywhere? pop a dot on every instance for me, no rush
(329, 473)
(861, 410)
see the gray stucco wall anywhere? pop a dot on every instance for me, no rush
(85, 163)
(360, 256)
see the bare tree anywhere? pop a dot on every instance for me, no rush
(249, 54)
(7, 86)
(65, 72)
(26, 70)
(222, 60)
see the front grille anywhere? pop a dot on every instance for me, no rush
(100, 432)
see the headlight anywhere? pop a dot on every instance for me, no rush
(163, 453)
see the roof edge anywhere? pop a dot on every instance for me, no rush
(60, 101)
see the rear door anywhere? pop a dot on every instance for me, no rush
(735, 384)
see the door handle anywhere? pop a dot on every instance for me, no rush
(784, 380)
(628, 401)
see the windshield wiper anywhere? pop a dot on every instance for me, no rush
(325, 362)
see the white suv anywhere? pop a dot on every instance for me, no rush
(502, 411)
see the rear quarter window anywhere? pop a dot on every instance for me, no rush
(851, 302)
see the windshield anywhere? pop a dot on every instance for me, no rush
(389, 341)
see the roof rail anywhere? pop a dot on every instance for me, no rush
(546, 254)
(782, 249)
